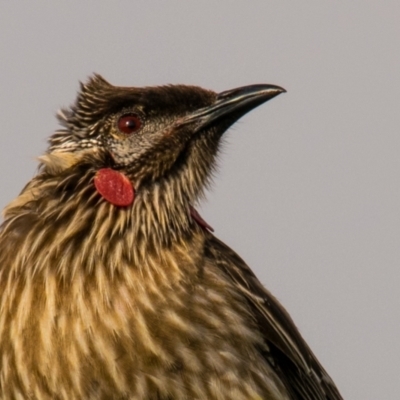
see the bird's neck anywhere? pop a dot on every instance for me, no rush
(64, 225)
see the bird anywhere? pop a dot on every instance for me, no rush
(112, 286)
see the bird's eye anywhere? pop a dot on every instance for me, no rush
(129, 123)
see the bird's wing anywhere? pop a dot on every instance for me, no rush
(289, 354)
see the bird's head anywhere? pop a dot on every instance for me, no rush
(160, 143)
(153, 134)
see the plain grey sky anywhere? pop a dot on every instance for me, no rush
(308, 188)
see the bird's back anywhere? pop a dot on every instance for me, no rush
(284, 348)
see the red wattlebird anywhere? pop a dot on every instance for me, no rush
(111, 284)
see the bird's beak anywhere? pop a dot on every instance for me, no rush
(233, 104)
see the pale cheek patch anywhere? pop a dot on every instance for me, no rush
(114, 187)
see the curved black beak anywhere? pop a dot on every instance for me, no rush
(233, 104)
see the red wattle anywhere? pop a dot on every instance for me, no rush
(114, 187)
(199, 220)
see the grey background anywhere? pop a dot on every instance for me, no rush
(308, 189)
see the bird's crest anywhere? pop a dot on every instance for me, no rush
(80, 120)
(91, 102)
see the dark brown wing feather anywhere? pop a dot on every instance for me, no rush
(289, 354)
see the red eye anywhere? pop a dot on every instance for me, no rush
(129, 124)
